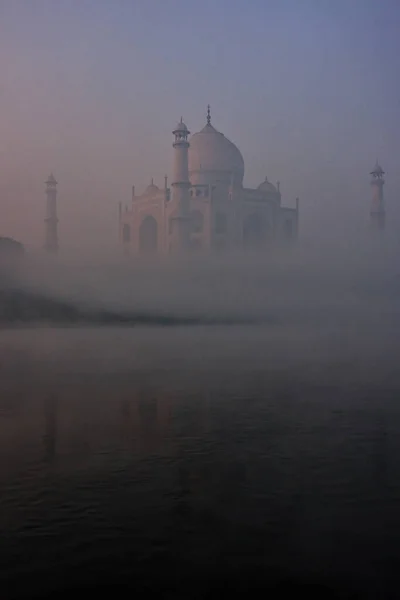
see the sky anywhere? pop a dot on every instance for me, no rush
(91, 89)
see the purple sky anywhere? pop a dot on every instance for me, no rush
(90, 89)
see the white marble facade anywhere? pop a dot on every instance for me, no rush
(207, 207)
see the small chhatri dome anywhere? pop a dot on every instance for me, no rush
(51, 179)
(151, 189)
(181, 128)
(213, 158)
(267, 186)
(377, 170)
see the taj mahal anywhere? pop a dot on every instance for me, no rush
(207, 206)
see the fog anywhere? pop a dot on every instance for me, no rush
(92, 91)
(342, 299)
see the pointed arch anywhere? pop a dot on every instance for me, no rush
(148, 235)
(126, 233)
(255, 230)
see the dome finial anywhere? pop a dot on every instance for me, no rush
(208, 115)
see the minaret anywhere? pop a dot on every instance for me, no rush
(180, 188)
(377, 213)
(51, 221)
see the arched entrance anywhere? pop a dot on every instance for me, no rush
(254, 230)
(148, 233)
(197, 221)
(288, 229)
(126, 233)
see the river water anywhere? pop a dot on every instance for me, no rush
(199, 461)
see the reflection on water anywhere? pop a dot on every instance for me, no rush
(50, 435)
(159, 466)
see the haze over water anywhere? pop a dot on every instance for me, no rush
(254, 448)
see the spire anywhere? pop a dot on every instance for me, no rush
(208, 115)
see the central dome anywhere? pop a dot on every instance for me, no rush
(214, 159)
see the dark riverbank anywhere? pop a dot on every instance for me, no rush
(20, 307)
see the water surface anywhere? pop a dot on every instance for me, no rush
(189, 460)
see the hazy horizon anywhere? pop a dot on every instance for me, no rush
(91, 90)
